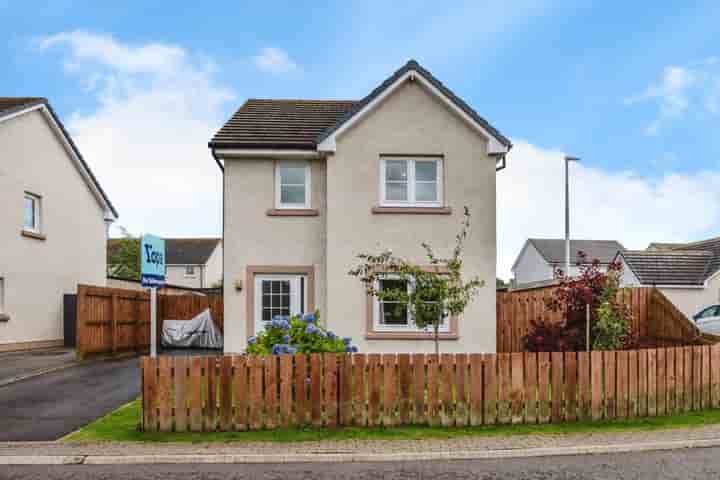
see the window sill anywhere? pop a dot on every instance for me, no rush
(292, 212)
(35, 235)
(410, 336)
(413, 210)
(4, 317)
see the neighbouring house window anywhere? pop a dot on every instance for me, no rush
(190, 271)
(31, 213)
(396, 316)
(411, 182)
(292, 184)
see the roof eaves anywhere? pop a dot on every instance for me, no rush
(82, 160)
(414, 65)
(23, 106)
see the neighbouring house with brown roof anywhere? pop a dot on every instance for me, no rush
(189, 262)
(310, 184)
(539, 258)
(687, 273)
(53, 223)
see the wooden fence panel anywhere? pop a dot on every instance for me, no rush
(254, 392)
(116, 320)
(653, 317)
(531, 387)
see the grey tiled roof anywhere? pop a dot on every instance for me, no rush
(189, 251)
(302, 124)
(180, 251)
(280, 123)
(710, 245)
(670, 267)
(553, 249)
(664, 246)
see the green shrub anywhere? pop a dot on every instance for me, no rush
(298, 334)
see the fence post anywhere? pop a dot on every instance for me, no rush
(114, 321)
(80, 321)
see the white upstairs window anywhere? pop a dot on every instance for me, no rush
(411, 182)
(292, 184)
(31, 213)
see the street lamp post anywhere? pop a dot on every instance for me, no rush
(568, 159)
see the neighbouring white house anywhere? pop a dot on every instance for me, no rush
(189, 262)
(687, 274)
(193, 262)
(539, 258)
(54, 220)
(310, 184)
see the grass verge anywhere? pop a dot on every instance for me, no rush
(122, 426)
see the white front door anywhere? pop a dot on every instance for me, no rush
(278, 295)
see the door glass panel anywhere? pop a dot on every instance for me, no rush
(275, 298)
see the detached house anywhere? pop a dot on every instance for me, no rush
(189, 262)
(688, 274)
(53, 223)
(539, 258)
(310, 184)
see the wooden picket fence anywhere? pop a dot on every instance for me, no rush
(115, 320)
(654, 318)
(252, 392)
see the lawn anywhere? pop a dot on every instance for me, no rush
(122, 425)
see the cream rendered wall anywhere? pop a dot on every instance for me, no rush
(37, 273)
(691, 300)
(258, 239)
(410, 121)
(213, 267)
(175, 275)
(531, 266)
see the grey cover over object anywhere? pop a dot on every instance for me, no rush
(200, 332)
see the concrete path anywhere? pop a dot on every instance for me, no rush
(17, 365)
(49, 406)
(461, 448)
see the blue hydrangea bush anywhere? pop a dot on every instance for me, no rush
(298, 334)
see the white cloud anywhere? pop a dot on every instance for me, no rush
(157, 107)
(611, 205)
(680, 89)
(274, 60)
(671, 93)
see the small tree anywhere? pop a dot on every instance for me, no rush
(124, 257)
(609, 320)
(435, 292)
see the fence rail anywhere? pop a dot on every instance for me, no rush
(114, 320)
(654, 317)
(252, 392)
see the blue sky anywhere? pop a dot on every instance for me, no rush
(631, 87)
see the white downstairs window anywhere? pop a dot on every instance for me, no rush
(292, 184)
(393, 316)
(411, 182)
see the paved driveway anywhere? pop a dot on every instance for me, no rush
(19, 364)
(52, 405)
